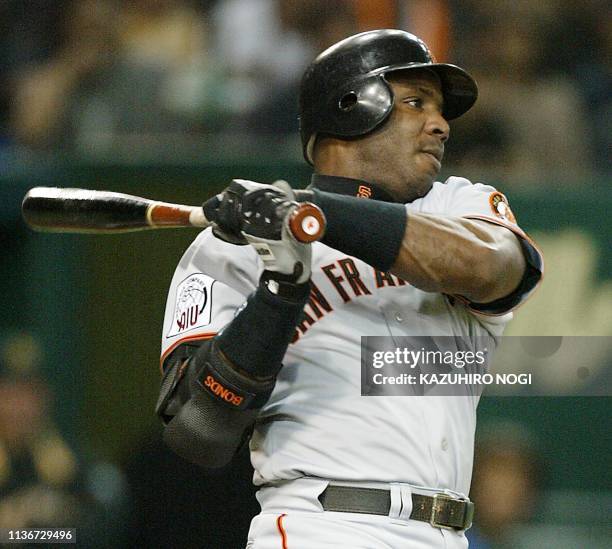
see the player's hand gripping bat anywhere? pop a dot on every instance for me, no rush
(53, 209)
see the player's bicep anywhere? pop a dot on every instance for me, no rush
(518, 269)
(518, 262)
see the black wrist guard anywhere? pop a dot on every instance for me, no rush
(257, 339)
(370, 230)
(285, 287)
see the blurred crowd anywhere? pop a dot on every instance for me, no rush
(89, 76)
(45, 481)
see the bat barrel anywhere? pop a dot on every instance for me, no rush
(81, 210)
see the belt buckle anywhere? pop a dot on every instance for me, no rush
(434, 511)
(467, 518)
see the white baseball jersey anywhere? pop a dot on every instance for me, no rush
(316, 423)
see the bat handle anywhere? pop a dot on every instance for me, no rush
(307, 222)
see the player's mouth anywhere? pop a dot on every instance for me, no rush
(435, 155)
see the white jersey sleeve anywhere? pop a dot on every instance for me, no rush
(212, 280)
(478, 201)
(459, 197)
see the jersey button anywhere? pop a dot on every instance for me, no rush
(444, 444)
(398, 316)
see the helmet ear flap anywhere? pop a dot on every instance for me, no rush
(365, 103)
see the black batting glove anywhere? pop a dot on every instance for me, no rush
(227, 210)
(224, 210)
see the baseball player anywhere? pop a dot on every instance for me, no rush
(261, 338)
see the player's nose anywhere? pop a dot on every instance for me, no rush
(437, 125)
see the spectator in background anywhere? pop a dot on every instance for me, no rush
(37, 469)
(172, 40)
(42, 482)
(582, 47)
(124, 69)
(46, 97)
(530, 123)
(431, 21)
(258, 54)
(28, 36)
(506, 485)
(320, 24)
(278, 39)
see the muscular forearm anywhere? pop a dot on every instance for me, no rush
(476, 259)
(458, 256)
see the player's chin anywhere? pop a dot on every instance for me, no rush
(429, 165)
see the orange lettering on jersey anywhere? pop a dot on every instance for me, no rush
(317, 301)
(387, 279)
(336, 280)
(307, 320)
(383, 279)
(220, 391)
(319, 304)
(353, 277)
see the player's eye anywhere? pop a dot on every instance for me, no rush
(415, 102)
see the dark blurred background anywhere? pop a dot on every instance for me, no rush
(171, 99)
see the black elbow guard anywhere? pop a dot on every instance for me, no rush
(218, 413)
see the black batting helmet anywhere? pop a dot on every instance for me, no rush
(344, 92)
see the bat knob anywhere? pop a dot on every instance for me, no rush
(307, 222)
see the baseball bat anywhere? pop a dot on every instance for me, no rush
(53, 209)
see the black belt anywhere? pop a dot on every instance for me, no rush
(440, 510)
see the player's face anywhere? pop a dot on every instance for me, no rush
(408, 149)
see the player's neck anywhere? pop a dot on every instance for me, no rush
(335, 157)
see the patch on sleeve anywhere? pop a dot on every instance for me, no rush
(192, 305)
(500, 207)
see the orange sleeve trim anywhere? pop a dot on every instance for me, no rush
(281, 530)
(514, 228)
(195, 337)
(467, 304)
